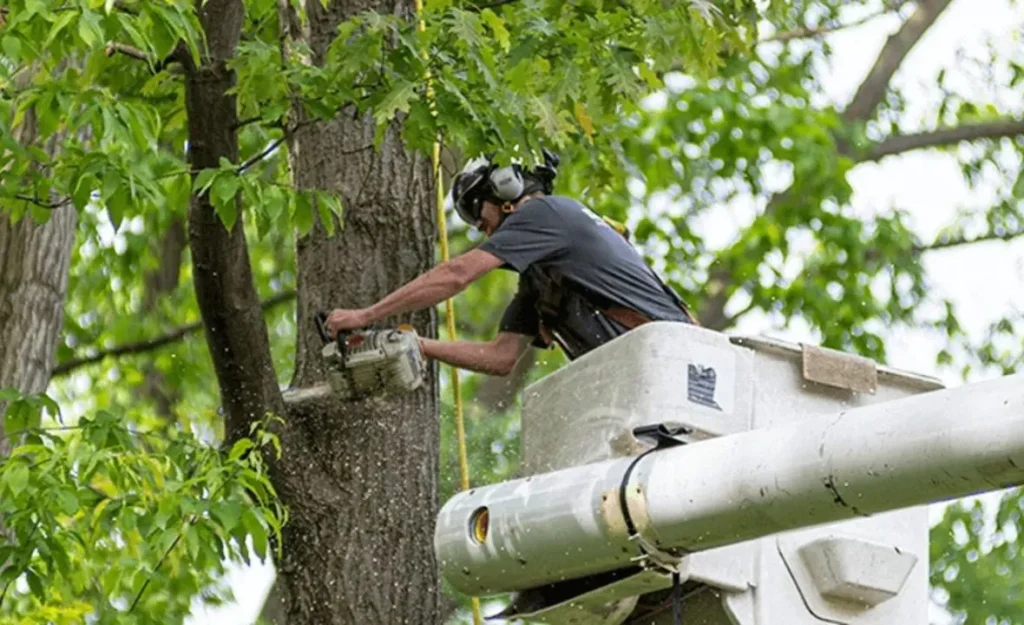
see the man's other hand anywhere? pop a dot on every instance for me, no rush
(345, 319)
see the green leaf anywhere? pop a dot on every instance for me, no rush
(87, 31)
(402, 93)
(497, 26)
(303, 214)
(223, 197)
(66, 17)
(68, 502)
(650, 77)
(19, 417)
(257, 531)
(326, 216)
(11, 46)
(17, 478)
(225, 188)
(584, 119)
(203, 180)
(35, 584)
(229, 514)
(241, 446)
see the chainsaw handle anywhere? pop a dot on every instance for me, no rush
(321, 326)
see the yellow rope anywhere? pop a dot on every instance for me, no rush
(442, 226)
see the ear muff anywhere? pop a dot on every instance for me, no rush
(507, 183)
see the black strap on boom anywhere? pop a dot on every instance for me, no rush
(663, 436)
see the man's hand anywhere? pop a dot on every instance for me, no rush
(346, 319)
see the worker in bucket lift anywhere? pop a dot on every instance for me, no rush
(581, 282)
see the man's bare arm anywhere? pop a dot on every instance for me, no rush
(495, 357)
(435, 286)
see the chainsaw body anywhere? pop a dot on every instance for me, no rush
(374, 362)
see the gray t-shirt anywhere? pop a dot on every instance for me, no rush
(560, 233)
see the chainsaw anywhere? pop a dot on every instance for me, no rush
(371, 362)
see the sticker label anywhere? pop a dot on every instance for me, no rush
(711, 378)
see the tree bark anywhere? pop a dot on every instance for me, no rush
(34, 260)
(232, 316)
(358, 546)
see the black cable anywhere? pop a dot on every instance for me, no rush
(677, 600)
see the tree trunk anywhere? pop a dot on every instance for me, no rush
(34, 261)
(358, 548)
(232, 316)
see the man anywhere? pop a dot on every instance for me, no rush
(581, 282)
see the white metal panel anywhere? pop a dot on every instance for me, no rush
(585, 411)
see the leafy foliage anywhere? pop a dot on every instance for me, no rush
(976, 568)
(110, 523)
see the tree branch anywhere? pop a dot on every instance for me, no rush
(951, 242)
(861, 108)
(113, 47)
(872, 89)
(807, 33)
(42, 204)
(944, 136)
(945, 244)
(274, 144)
(123, 7)
(148, 345)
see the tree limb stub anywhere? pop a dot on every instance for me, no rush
(152, 344)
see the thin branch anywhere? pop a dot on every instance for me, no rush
(3, 595)
(160, 562)
(945, 136)
(141, 347)
(951, 242)
(246, 122)
(497, 3)
(274, 145)
(872, 90)
(807, 33)
(42, 204)
(961, 241)
(123, 7)
(270, 148)
(174, 544)
(113, 47)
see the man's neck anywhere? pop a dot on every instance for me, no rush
(526, 198)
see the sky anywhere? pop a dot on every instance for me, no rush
(983, 279)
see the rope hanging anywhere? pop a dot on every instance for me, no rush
(442, 226)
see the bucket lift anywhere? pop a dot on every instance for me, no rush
(783, 484)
